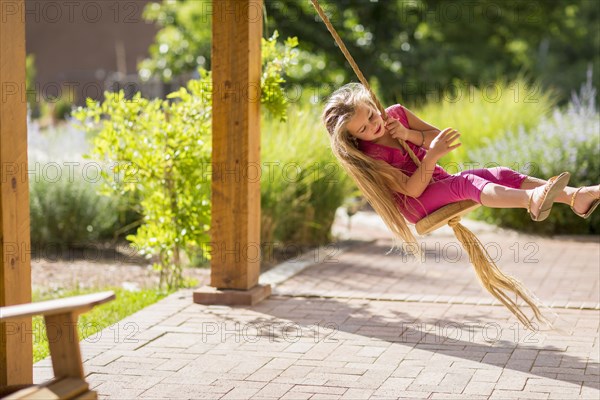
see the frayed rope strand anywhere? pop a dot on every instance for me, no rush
(496, 282)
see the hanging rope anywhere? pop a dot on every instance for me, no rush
(360, 75)
(349, 57)
(491, 277)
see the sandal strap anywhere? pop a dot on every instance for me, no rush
(546, 189)
(573, 197)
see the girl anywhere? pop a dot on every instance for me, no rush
(388, 176)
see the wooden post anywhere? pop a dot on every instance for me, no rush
(235, 228)
(15, 270)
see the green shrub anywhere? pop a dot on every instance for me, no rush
(486, 114)
(566, 141)
(159, 148)
(69, 213)
(302, 184)
(65, 209)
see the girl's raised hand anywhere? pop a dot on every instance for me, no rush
(396, 129)
(442, 144)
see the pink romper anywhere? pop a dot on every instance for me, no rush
(443, 188)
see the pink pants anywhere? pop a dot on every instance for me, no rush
(465, 185)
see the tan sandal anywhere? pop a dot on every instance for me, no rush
(554, 186)
(590, 210)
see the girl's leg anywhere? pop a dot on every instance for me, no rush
(499, 187)
(469, 187)
(498, 196)
(583, 200)
(513, 179)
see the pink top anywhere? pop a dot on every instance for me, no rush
(398, 157)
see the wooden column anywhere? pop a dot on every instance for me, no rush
(15, 270)
(235, 228)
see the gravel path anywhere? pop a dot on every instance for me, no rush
(95, 272)
(95, 269)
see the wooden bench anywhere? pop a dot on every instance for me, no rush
(61, 316)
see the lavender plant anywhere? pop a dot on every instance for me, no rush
(568, 140)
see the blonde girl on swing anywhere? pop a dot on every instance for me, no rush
(400, 191)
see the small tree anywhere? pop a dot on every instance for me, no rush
(157, 152)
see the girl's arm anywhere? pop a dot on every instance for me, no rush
(441, 145)
(416, 184)
(420, 133)
(418, 125)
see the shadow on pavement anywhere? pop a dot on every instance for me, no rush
(473, 341)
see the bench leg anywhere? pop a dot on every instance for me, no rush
(63, 340)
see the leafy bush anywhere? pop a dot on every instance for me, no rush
(484, 114)
(155, 148)
(566, 141)
(158, 149)
(302, 185)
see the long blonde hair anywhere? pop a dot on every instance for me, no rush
(374, 178)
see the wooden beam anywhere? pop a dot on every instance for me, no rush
(16, 353)
(236, 69)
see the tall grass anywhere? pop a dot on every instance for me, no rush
(486, 114)
(302, 184)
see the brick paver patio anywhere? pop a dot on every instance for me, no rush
(355, 323)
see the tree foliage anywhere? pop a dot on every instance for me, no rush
(183, 42)
(410, 48)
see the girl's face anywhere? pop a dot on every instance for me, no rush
(366, 124)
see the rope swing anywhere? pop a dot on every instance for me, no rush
(496, 282)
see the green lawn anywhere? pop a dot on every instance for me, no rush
(103, 316)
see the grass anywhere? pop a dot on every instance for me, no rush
(92, 322)
(302, 184)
